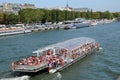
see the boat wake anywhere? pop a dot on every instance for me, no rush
(25, 77)
(58, 76)
(100, 49)
(118, 78)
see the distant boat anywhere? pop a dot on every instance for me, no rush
(76, 24)
(27, 30)
(17, 29)
(82, 25)
(69, 25)
(57, 56)
(12, 32)
(93, 23)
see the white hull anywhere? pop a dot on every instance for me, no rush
(11, 33)
(28, 31)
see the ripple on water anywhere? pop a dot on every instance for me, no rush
(112, 68)
(104, 65)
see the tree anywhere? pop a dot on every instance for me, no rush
(116, 14)
(25, 15)
(11, 18)
(88, 15)
(96, 15)
(2, 18)
(61, 15)
(31, 15)
(72, 15)
(108, 15)
(77, 14)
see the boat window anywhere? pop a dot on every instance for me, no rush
(71, 44)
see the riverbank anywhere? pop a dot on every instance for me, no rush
(6, 30)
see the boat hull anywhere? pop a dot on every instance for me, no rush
(82, 25)
(11, 33)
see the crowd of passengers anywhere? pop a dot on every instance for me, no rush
(55, 61)
(35, 60)
(85, 49)
(57, 58)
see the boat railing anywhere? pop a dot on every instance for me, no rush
(30, 67)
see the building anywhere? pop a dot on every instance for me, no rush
(15, 7)
(1, 8)
(81, 9)
(32, 6)
(68, 8)
(60, 8)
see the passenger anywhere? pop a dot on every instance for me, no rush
(50, 65)
(97, 45)
(73, 56)
(38, 60)
(63, 62)
(13, 66)
(58, 63)
(65, 55)
(48, 52)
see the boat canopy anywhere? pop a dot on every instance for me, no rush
(68, 44)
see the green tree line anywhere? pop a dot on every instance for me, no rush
(44, 15)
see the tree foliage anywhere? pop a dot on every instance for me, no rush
(11, 18)
(55, 15)
(2, 17)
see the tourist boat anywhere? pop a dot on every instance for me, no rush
(69, 25)
(82, 25)
(57, 56)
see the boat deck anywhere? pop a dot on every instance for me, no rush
(57, 56)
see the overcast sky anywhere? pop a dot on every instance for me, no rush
(96, 5)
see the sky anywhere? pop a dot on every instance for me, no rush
(95, 5)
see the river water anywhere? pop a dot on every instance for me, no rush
(102, 65)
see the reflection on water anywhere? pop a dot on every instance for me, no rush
(54, 76)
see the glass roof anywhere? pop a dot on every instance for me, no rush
(69, 44)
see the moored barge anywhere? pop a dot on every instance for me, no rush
(57, 56)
